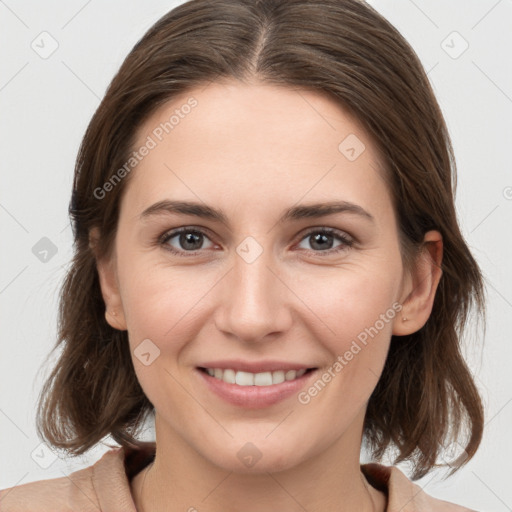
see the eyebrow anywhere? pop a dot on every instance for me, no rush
(294, 213)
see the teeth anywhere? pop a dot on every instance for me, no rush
(254, 379)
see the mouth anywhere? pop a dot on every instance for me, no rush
(243, 378)
(254, 390)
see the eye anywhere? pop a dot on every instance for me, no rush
(187, 239)
(322, 239)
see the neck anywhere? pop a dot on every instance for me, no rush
(181, 479)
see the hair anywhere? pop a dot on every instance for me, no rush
(426, 396)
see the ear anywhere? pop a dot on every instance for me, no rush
(114, 313)
(421, 286)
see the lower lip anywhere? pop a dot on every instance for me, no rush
(255, 397)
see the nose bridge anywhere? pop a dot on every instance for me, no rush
(253, 278)
(254, 302)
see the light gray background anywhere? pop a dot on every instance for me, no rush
(46, 104)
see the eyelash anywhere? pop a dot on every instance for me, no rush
(346, 241)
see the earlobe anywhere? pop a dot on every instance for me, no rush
(114, 313)
(114, 320)
(422, 286)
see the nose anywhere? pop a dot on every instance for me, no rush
(255, 301)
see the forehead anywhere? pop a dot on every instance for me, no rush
(251, 143)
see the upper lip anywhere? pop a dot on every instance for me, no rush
(255, 366)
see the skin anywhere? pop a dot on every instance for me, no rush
(254, 150)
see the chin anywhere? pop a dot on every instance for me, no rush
(253, 457)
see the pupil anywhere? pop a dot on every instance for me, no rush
(189, 238)
(320, 237)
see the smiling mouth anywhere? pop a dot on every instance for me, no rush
(231, 376)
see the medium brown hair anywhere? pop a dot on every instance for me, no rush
(426, 396)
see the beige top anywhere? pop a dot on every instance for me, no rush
(105, 486)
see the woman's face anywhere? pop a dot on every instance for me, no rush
(260, 281)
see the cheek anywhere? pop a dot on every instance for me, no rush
(355, 308)
(357, 316)
(347, 300)
(158, 301)
(159, 307)
(166, 304)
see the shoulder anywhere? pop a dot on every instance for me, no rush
(63, 494)
(403, 494)
(101, 486)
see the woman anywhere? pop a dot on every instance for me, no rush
(268, 259)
